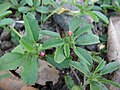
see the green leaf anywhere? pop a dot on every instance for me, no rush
(53, 3)
(88, 39)
(43, 9)
(4, 7)
(2, 15)
(59, 56)
(79, 66)
(50, 33)
(110, 67)
(18, 49)
(106, 6)
(93, 15)
(22, 2)
(80, 53)
(26, 45)
(11, 61)
(76, 87)
(96, 58)
(30, 70)
(100, 66)
(101, 16)
(64, 64)
(109, 82)
(67, 50)
(14, 2)
(6, 21)
(45, 2)
(69, 81)
(31, 27)
(37, 3)
(74, 23)
(24, 9)
(53, 42)
(84, 29)
(29, 2)
(97, 86)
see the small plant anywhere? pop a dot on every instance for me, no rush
(68, 52)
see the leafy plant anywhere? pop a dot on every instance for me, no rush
(27, 53)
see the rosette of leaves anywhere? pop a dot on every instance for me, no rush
(26, 53)
(43, 6)
(94, 78)
(114, 5)
(81, 36)
(88, 8)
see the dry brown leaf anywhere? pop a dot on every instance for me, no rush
(47, 73)
(28, 88)
(113, 46)
(11, 83)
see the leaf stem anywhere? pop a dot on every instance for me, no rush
(76, 75)
(15, 31)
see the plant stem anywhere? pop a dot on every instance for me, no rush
(76, 75)
(15, 31)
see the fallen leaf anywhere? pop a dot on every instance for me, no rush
(113, 46)
(28, 88)
(47, 73)
(11, 83)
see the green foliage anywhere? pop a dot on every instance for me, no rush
(30, 66)
(69, 81)
(66, 51)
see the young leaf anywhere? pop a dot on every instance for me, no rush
(80, 53)
(53, 42)
(83, 29)
(69, 82)
(101, 16)
(110, 67)
(30, 70)
(59, 55)
(11, 61)
(74, 24)
(80, 67)
(29, 2)
(100, 66)
(50, 33)
(6, 21)
(67, 50)
(109, 82)
(88, 39)
(31, 27)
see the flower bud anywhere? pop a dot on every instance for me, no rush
(69, 33)
(42, 54)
